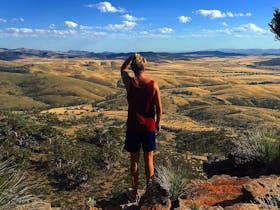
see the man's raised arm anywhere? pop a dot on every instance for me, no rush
(124, 74)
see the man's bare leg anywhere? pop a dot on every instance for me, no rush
(134, 167)
(149, 164)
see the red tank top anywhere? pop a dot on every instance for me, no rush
(141, 107)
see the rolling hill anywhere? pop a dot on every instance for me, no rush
(76, 113)
(39, 90)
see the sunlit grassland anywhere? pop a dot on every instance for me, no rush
(210, 100)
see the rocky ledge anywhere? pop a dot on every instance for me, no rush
(247, 185)
(230, 193)
(217, 193)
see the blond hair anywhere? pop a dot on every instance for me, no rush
(138, 64)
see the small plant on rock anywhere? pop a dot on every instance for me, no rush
(172, 179)
(14, 190)
(259, 145)
(270, 202)
(91, 203)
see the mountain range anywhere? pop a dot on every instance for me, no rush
(18, 53)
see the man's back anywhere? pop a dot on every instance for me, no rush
(141, 106)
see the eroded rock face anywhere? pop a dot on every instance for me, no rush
(232, 193)
(218, 191)
(244, 206)
(263, 187)
(221, 192)
(204, 207)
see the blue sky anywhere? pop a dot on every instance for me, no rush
(132, 25)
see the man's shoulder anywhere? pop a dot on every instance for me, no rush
(155, 84)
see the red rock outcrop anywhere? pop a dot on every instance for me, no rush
(221, 190)
(264, 186)
(231, 193)
(245, 206)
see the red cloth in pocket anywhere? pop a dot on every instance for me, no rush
(148, 122)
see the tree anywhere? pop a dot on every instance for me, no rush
(275, 24)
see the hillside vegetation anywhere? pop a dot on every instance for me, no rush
(63, 119)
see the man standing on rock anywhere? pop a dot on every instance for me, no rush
(144, 103)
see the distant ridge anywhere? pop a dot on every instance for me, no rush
(253, 51)
(19, 53)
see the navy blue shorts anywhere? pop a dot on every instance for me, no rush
(134, 140)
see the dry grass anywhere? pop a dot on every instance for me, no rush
(219, 87)
(198, 95)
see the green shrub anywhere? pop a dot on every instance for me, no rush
(173, 179)
(270, 202)
(14, 189)
(87, 134)
(275, 24)
(91, 202)
(217, 141)
(261, 144)
(71, 165)
(21, 137)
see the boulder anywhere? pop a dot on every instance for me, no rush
(156, 197)
(221, 191)
(234, 166)
(262, 188)
(203, 207)
(245, 206)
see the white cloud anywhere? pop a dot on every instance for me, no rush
(224, 24)
(40, 31)
(229, 14)
(106, 7)
(70, 24)
(18, 19)
(159, 32)
(132, 18)
(237, 31)
(165, 30)
(184, 19)
(98, 33)
(144, 32)
(252, 27)
(213, 14)
(248, 14)
(2, 20)
(125, 25)
(52, 26)
(19, 30)
(62, 33)
(82, 27)
(29, 32)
